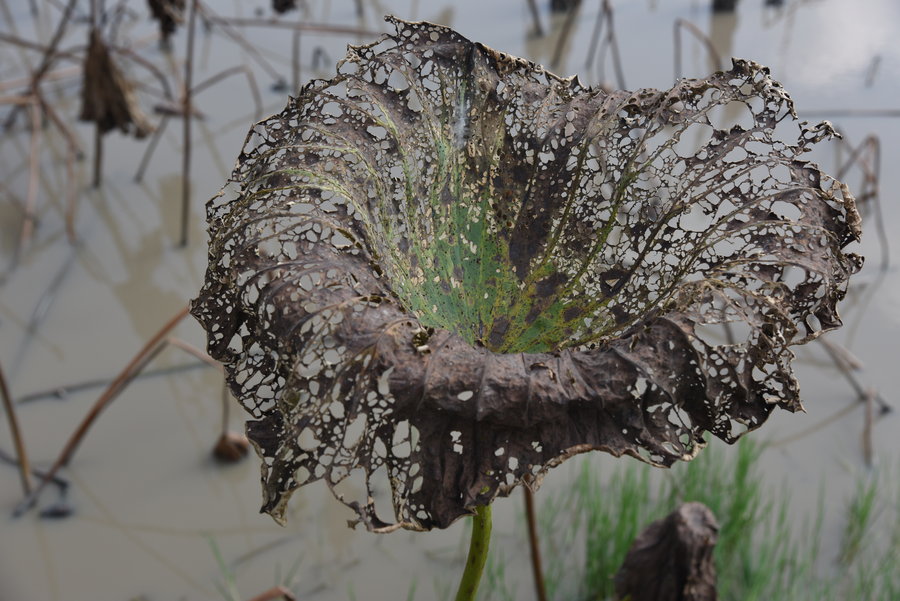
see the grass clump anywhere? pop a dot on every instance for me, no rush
(762, 552)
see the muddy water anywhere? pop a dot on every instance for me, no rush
(149, 503)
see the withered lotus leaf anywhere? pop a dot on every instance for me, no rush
(107, 97)
(446, 270)
(169, 13)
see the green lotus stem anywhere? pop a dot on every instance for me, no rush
(478, 551)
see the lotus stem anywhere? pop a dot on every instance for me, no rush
(151, 146)
(536, 17)
(34, 150)
(537, 569)
(478, 550)
(71, 192)
(565, 34)
(714, 56)
(298, 26)
(47, 60)
(98, 156)
(188, 108)
(21, 455)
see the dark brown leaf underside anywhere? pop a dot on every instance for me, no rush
(447, 270)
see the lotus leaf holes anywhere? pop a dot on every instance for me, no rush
(402, 299)
(354, 432)
(307, 440)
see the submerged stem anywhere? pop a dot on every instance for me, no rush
(478, 550)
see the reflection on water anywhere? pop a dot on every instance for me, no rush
(148, 499)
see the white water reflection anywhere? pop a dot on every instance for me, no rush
(835, 42)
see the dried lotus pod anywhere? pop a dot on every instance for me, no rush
(446, 270)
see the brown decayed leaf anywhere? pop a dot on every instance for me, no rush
(169, 13)
(448, 270)
(107, 97)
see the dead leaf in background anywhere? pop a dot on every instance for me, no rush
(169, 13)
(107, 97)
(283, 6)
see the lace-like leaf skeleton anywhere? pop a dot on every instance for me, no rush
(446, 270)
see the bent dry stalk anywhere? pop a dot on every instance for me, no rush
(15, 430)
(449, 270)
(147, 353)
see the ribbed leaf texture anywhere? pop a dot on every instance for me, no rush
(446, 270)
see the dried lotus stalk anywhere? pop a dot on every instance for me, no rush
(446, 270)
